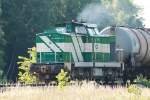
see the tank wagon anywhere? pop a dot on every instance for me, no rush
(135, 46)
(86, 53)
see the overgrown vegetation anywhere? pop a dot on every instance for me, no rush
(24, 67)
(134, 89)
(143, 81)
(62, 79)
(85, 91)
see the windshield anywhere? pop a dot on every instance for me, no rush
(80, 29)
(87, 30)
(96, 30)
(61, 29)
(92, 31)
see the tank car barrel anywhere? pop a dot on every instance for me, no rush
(135, 42)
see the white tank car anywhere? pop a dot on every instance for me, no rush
(135, 43)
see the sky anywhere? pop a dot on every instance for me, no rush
(145, 4)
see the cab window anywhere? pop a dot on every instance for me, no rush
(80, 29)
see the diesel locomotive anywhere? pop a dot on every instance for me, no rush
(112, 54)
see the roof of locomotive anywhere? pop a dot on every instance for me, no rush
(62, 28)
(59, 27)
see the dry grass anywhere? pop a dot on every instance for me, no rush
(75, 92)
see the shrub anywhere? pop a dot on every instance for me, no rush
(134, 89)
(142, 80)
(24, 67)
(62, 79)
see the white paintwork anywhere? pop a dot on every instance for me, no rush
(98, 64)
(87, 47)
(68, 47)
(98, 47)
(101, 47)
(109, 64)
(50, 43)
(41, 47)
(83, 64)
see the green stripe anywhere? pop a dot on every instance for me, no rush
(38, 39)
(59, 38)
(48, 57)
(87, 56)
(99, 57)
(64, 57)
(98, 39)
(56, 37)
(102, 57)
(87, 39)
(105, 40)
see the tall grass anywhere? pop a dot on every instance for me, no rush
(86, 91)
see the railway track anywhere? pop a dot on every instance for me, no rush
(25, 85)
(79, 83)
(5, 87)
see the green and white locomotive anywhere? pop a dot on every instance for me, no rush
(79, 48)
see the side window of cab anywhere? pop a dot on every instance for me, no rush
(69, 28)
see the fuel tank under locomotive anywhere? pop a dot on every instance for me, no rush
(135, 44)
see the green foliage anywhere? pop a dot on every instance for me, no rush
(24, 67)
(23, 19)
(65, 10)
(142, 80)
(2, 45)
(62, 79)
(134, 89)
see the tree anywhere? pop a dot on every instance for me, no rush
(65, 10)
(24, 67)
(125, 12)
(2, 45)
(23, 19)
(2, 53)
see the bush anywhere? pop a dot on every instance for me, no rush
(142, 80)
(134, 89)
(24, 67)
(62, 79)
